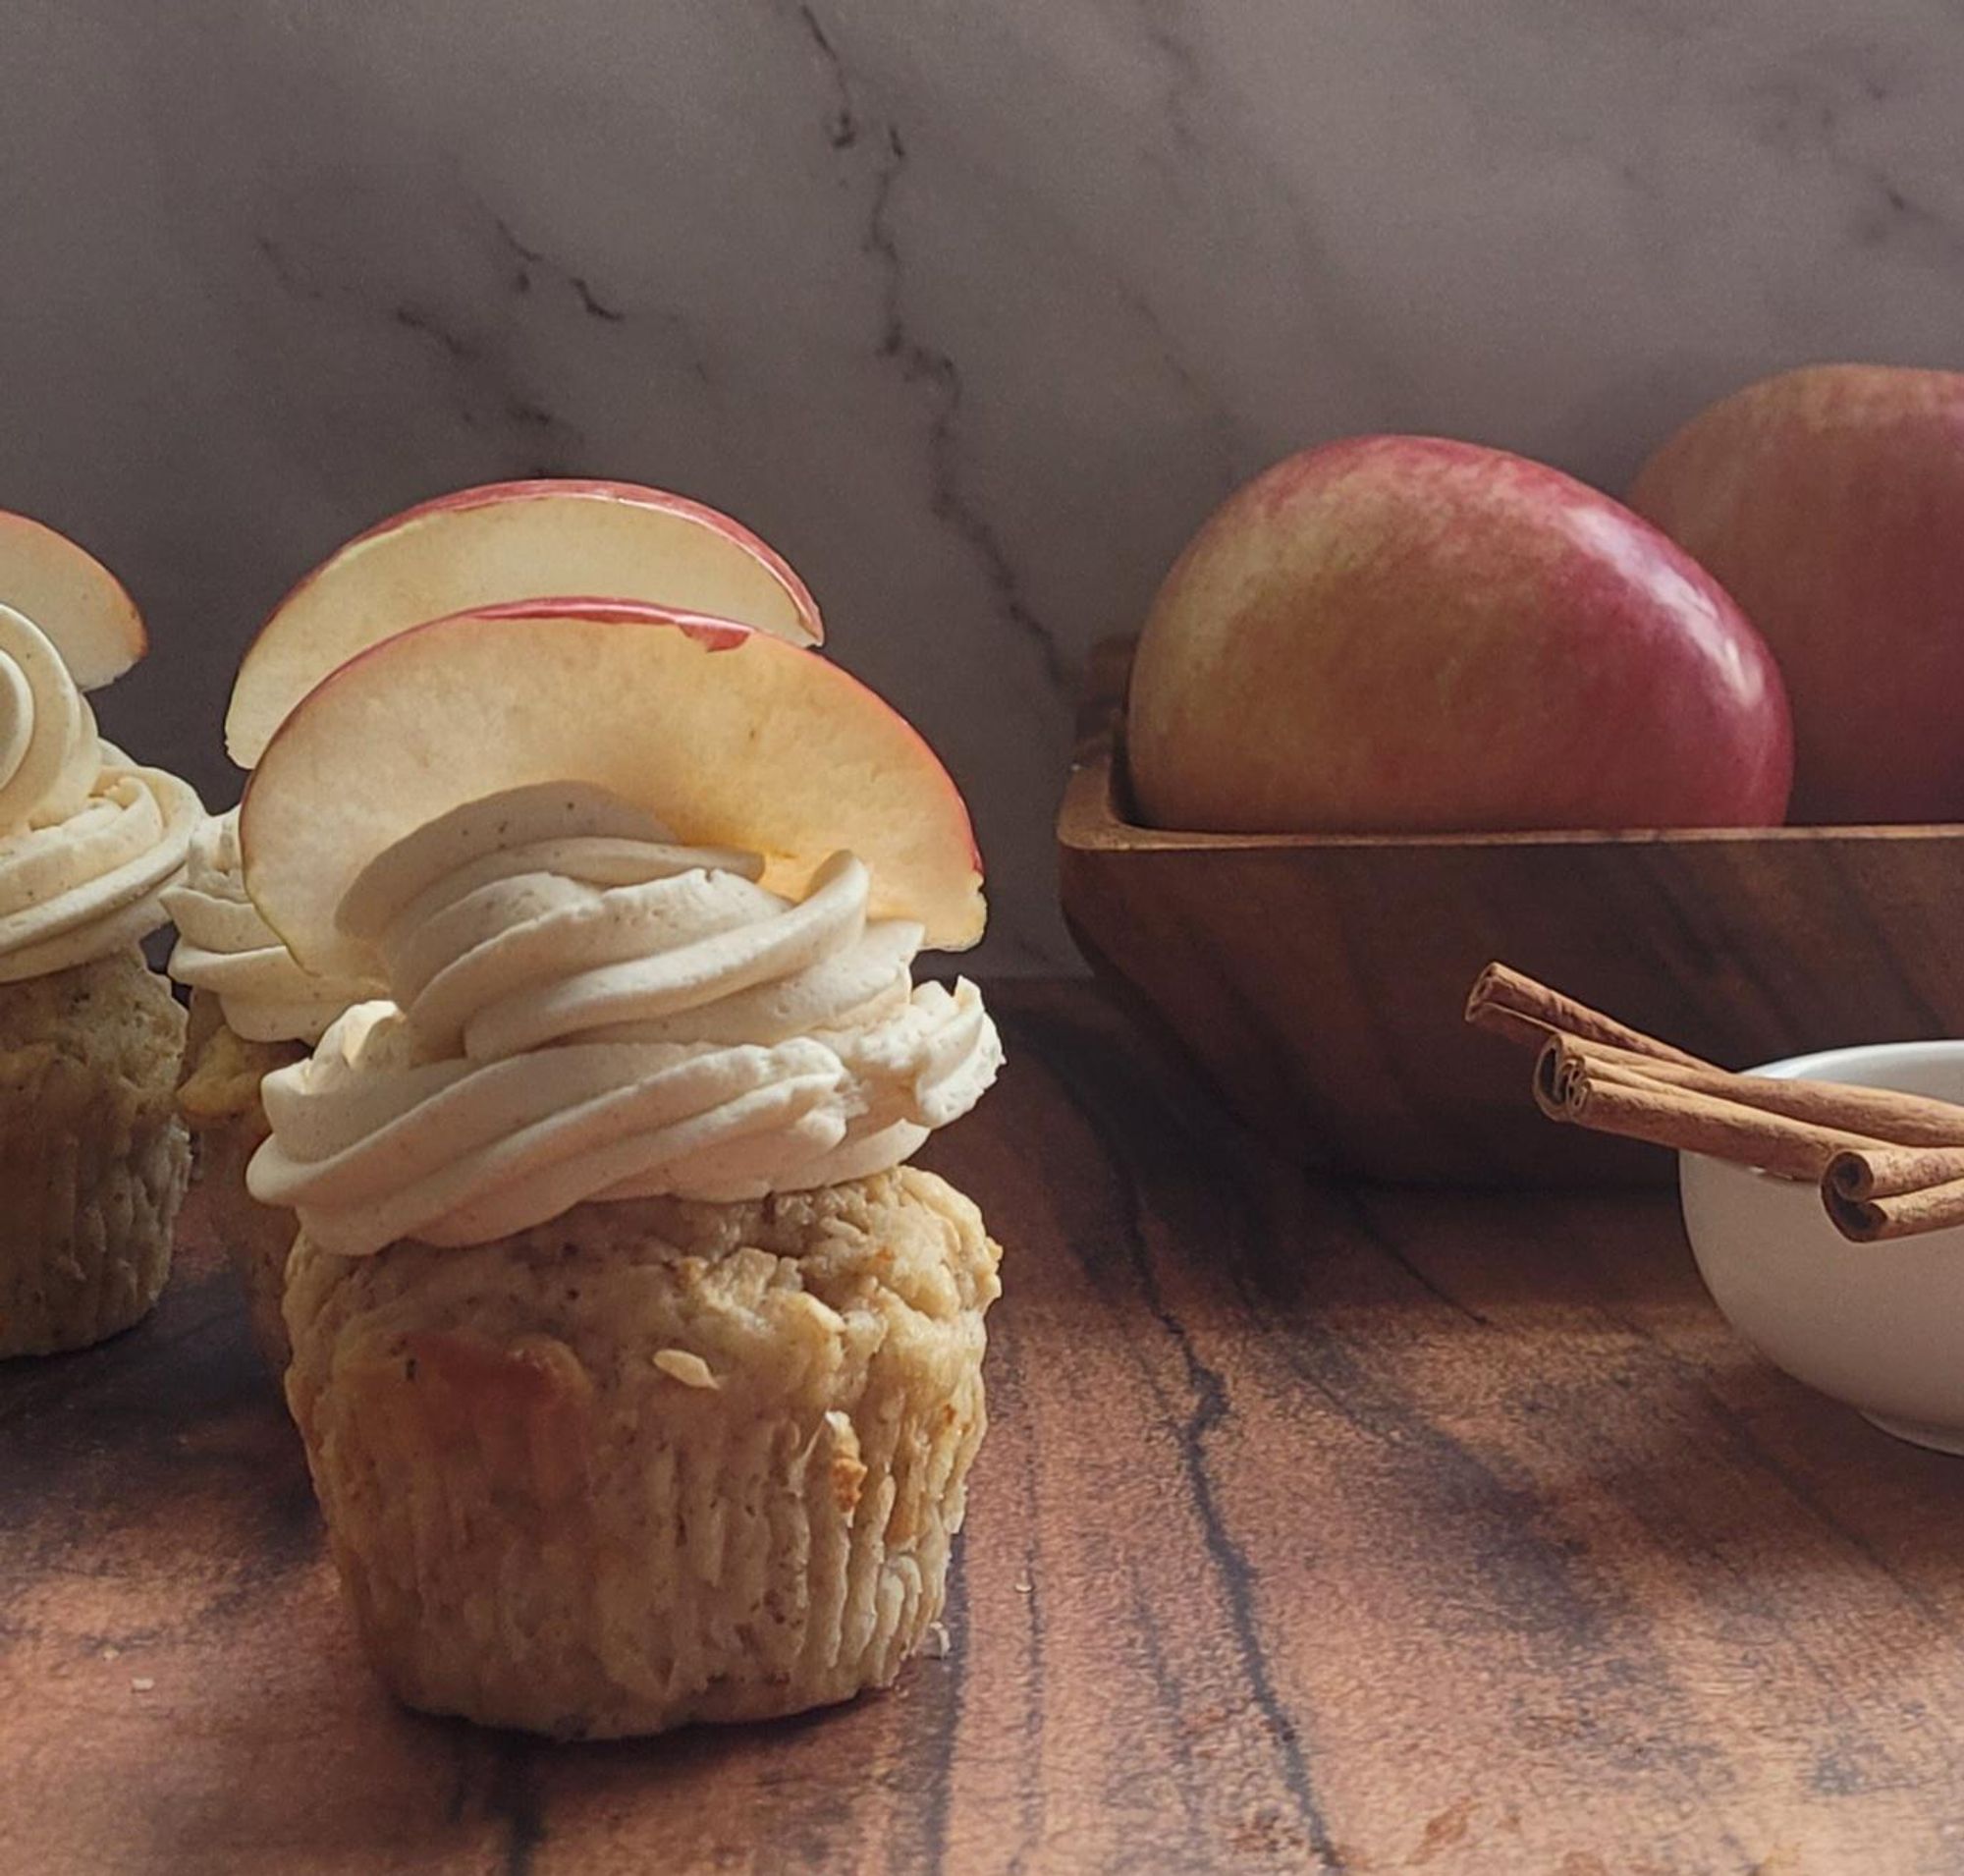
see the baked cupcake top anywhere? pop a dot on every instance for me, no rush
(224, 946)
(88, 839)
(581, 1009)
(646, 891)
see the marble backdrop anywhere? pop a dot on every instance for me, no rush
(973, 309)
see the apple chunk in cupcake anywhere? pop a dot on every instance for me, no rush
(92, 1156)
(254, 1007)
(639, 1372)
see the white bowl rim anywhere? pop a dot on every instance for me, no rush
(1822, 1063)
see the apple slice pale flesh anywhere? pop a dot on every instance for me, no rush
(504, 542)
(728, 737)
(79, 604)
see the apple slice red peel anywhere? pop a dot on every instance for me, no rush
(503, 542)
(730, 737)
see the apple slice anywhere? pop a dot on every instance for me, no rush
(79, 604)
(503, 542)
(730, 738)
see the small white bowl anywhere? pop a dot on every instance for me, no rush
(1877, 1326)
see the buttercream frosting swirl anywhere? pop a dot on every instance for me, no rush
(88, 840)
(586, 1011)
(226, 947)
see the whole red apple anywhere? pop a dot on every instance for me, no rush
(1831, 504)
(1401, 634)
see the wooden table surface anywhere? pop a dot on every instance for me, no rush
(1317, 1529)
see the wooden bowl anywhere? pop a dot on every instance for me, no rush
(1318, 980)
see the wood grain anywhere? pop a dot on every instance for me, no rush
(1317, 1529)
(1319, 981)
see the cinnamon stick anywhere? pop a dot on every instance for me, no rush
(1889, 1165)
(1614, 1099)
(1508, 1004)
(1510, 1025)
(1890, 1172)
(1875, 1221)
(1882, 1114)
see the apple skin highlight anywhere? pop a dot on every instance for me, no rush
(1412, 635)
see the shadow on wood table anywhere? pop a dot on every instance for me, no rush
(1318, 1528)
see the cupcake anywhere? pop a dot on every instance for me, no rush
(639, 1372)
(92, 1156)
(252, 1010)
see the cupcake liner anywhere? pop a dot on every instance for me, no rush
(93, 1160)
(653, 1463)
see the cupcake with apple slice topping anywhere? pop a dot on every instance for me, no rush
(639, 1371)
(253, 1008)
(93, 1159)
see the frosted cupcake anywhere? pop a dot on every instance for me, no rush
(252, 1010)
(639, 1374)
(92, 1156)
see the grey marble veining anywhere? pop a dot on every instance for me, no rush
(973, 311)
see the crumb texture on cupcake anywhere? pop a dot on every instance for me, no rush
(653, 1462)
(93, 1159)
(255, 1237)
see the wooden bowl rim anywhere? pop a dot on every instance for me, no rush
(1091, 819)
